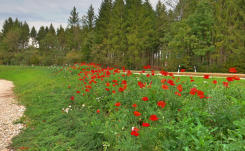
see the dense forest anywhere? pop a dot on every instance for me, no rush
(209, 34)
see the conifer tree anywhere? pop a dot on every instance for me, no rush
(229, 28)
(162, 28)
(25, 32)
(33, 36)
(41, 33)
(51, 29)
(89, 19)
(46, 29)
(33, 33)
(133, 22)
(61, 38)
(7, 25)
(102, 31)
(148, 33)
(88, 33)
(103, 20)
(117, 37)
(73, 20)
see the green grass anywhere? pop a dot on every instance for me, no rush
(45, 93)
(44, 96)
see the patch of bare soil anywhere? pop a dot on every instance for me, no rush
(10, 111)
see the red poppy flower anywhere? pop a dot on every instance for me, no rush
(134, 105)
(164, 87)
(87, 90)
(148, 75)
(124, 82)
(108, 73)
(153, 118)
(163, 80)
(145, 124)
(141, 85)
(182, 70)
(206, 76)
(72, 98)
(147, 67)
(180, 88)
(78, 91)
(107, 84)
(145, 98)
(201, 96)
(215, 82)
(113, 91)
(226, 84)
(121, 89)
(199, 92)
(88, 86)
(136, 113)
(135, 129)
(134, 133)
(193, 91)
(236, 77)
(123, 68)
(98, 111)
(229, 79)
(107, 89)
(232, 70)
(118, 104)
(192, 80)
(177, 93)
(129, 73)
(171, 82)
(164, 73)
(161, 104)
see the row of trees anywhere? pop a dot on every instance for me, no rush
(206, 33)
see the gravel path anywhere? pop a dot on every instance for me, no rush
(9, 112)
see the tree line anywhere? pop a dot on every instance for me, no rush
(209, 34)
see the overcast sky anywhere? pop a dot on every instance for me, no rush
(44, 12)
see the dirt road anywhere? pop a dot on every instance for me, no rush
(10, 111)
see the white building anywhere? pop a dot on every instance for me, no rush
(33, 43)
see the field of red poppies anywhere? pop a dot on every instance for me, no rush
(124, 111)
(95, 108)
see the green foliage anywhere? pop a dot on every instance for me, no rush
(204, 33)
(73, 20)
(216, 123)
(89, 19)
(33, 33)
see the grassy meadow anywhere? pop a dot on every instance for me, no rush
(86, 107)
